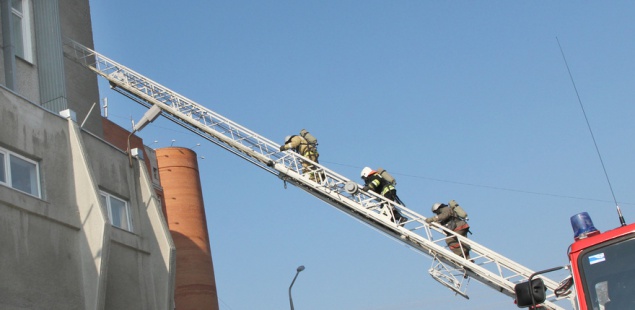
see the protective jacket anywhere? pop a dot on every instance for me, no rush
(377, 184)
(450, 220)
(302, 147)
(380, 186)
(306, 150)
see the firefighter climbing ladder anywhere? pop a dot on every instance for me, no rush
(454, 272)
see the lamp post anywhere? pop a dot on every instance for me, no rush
(296, 276)
(147, 118)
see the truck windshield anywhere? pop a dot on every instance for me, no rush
(608, 274)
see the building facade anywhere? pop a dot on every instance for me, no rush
(81, 224)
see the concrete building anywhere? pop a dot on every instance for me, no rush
(81, 225)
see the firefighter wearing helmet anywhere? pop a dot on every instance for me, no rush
(446, 216)
(375, 182)
(301, 146)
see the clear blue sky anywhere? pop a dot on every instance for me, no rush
(465, 100)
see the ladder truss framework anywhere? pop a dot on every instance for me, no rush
(487, 266)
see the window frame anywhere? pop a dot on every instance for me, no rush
(26, 37)
(126, 207)
(7, 172)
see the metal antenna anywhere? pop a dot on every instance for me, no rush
(106, 107)
(619, 212)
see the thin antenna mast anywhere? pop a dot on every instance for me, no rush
(619, 212)
(106, 107)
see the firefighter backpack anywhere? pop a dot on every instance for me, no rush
(458, 210)
(384, 174)
(308, 137)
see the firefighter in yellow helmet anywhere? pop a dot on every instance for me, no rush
(301, 146)
(375, 182)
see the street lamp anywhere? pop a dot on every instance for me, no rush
(147, 118)
(296, 276)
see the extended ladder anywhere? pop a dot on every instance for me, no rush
(454, 272)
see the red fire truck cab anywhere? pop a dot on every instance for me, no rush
(602, 268)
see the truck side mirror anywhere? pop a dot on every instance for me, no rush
(530, 295)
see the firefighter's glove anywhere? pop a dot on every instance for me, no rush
(365, 188)
(430, 220)
(281, 148)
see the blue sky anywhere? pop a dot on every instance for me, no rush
(465, 100)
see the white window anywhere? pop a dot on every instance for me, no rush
(20, 173)
(22, 29)
(118, 211)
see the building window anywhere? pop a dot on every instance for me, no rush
(22, 29)
(3, 173)
(118, 211)
(19, 173)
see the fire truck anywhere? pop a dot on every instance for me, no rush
(602, 272)
(602, 269)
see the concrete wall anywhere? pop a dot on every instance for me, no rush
(40, 254)
(79, 85)
(59, 251)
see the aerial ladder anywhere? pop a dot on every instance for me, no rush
(449, 269)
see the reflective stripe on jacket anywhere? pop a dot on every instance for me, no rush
(378, 185)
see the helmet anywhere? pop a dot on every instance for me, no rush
(287, 138)
(366, 172)
(436, 206)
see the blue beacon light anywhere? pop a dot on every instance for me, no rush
(582, 226)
